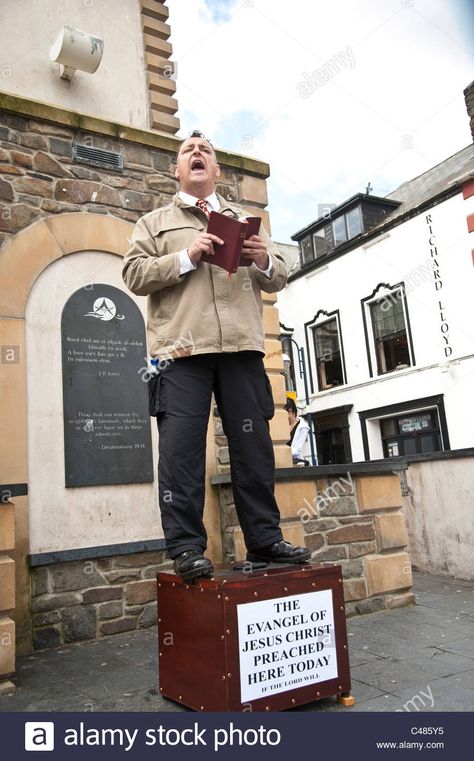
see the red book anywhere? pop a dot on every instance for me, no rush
(233, 232)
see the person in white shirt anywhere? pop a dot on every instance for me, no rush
(298, 434)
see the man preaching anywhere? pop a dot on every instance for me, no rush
(205, 333)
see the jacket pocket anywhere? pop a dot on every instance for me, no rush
(269, 404)
(156, 401)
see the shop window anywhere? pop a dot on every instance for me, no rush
(413, 433)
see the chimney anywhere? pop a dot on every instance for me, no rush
(469, 98)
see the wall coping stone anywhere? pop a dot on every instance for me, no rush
(102, 551)
(375, 467)
(363, 468)
(150, 138)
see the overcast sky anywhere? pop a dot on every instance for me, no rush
(331, 94)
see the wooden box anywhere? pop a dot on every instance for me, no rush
(267, 640)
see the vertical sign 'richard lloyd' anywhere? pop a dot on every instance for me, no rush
(286, 643)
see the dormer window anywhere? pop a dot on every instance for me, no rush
(306, 250)
(339, 228)
(347, 226)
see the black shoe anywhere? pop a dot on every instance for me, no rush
(191, 564)
(280, 552)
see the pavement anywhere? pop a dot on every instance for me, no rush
(411, 659)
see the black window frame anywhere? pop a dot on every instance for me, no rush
(415, 436)
(318, 360)
(406, 408)
(344, 217)
(370, 343)
(322, 316)
(286, 340)
(305, 261)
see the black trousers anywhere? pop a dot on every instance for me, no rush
(182, 400)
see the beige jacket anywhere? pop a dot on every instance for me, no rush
(203, 310)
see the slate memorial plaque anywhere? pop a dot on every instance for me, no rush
(107, 435)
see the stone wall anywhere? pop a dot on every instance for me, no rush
(89, 599)
(38, 176)
(355, 521)
(42, 188)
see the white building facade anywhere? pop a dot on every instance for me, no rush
(382, 303)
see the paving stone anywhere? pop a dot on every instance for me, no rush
(389, 674)
(388, 670)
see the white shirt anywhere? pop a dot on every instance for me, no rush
(299, 439)
(185, 263)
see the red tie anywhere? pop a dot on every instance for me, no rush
(201, 203)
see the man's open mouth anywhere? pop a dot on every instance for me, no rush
(197, 164)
